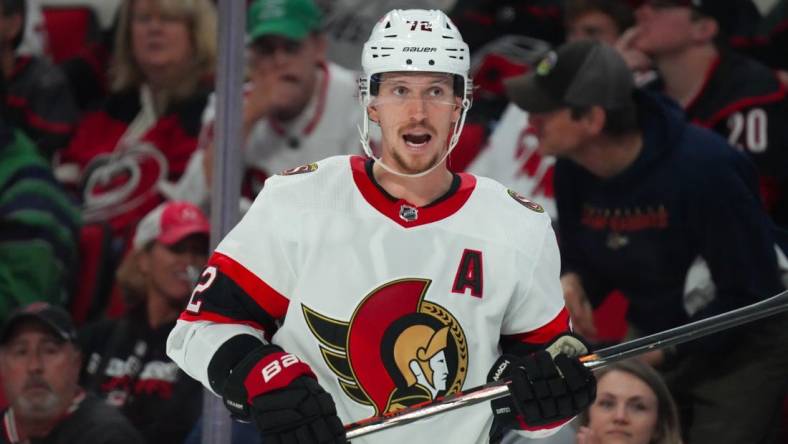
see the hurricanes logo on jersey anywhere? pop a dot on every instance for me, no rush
(397, 349)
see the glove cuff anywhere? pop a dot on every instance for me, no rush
(265, 369)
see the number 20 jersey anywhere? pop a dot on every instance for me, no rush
(390, 304)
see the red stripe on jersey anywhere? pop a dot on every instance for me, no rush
(706, 79)
(523, 426)
(392, 209)
(743, 103)
(35, 120)
(545, 333)
(218, 319)
(266, 297)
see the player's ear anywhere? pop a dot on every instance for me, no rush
(456, 111)
(372, 111)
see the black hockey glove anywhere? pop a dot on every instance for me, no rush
(281, 395)
(549, 386)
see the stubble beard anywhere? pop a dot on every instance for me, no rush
(413, 168)
(39, 407)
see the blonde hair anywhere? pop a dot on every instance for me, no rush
(667, 430)
(200, 17)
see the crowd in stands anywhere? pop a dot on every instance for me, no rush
(653, 132)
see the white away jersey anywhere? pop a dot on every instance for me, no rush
(511, 157)
(390, 304)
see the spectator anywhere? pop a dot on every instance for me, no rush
(143, 136)
(299, 107)
(38, 225)
(641, 195)
(512, 155)
(170, 247)
(603, 20)
(39, 365)
(39, 98)
(737, 97)
(632, 401)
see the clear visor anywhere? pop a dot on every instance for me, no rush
(402, 88)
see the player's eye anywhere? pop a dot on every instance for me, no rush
(399, 91)
(435, 92)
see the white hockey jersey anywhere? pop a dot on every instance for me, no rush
(512, 158)
(389, 303)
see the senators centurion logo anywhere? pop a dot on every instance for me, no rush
(397, 349)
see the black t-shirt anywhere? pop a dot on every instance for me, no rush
(93, 422)
(128, 366)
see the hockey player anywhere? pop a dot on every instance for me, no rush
(357, 286)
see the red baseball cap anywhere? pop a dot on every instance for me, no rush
(170, 223)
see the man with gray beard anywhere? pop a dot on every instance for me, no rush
(39, 368)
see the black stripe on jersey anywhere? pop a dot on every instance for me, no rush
(227, 299)
(227, 357)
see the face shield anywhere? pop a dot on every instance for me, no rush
(437, 92)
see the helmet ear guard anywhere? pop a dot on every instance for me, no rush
(414, 40)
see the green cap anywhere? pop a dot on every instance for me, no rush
(293, 19)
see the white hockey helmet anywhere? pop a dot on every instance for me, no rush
(415, 40)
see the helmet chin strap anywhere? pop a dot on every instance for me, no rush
(458, 126)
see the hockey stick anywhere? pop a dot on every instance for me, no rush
(600, 358)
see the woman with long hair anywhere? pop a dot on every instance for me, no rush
(632, 406)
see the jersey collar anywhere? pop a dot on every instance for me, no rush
(403, 212)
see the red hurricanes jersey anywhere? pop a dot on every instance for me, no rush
(745, 102)
(389, 303)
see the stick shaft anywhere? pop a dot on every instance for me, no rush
(598, 359)
(688, 332)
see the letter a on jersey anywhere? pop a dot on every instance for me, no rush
(397, 350)
(469, 274)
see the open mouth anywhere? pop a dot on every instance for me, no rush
(416, 140)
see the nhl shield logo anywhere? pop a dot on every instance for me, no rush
(408, 213)
(397, 350)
